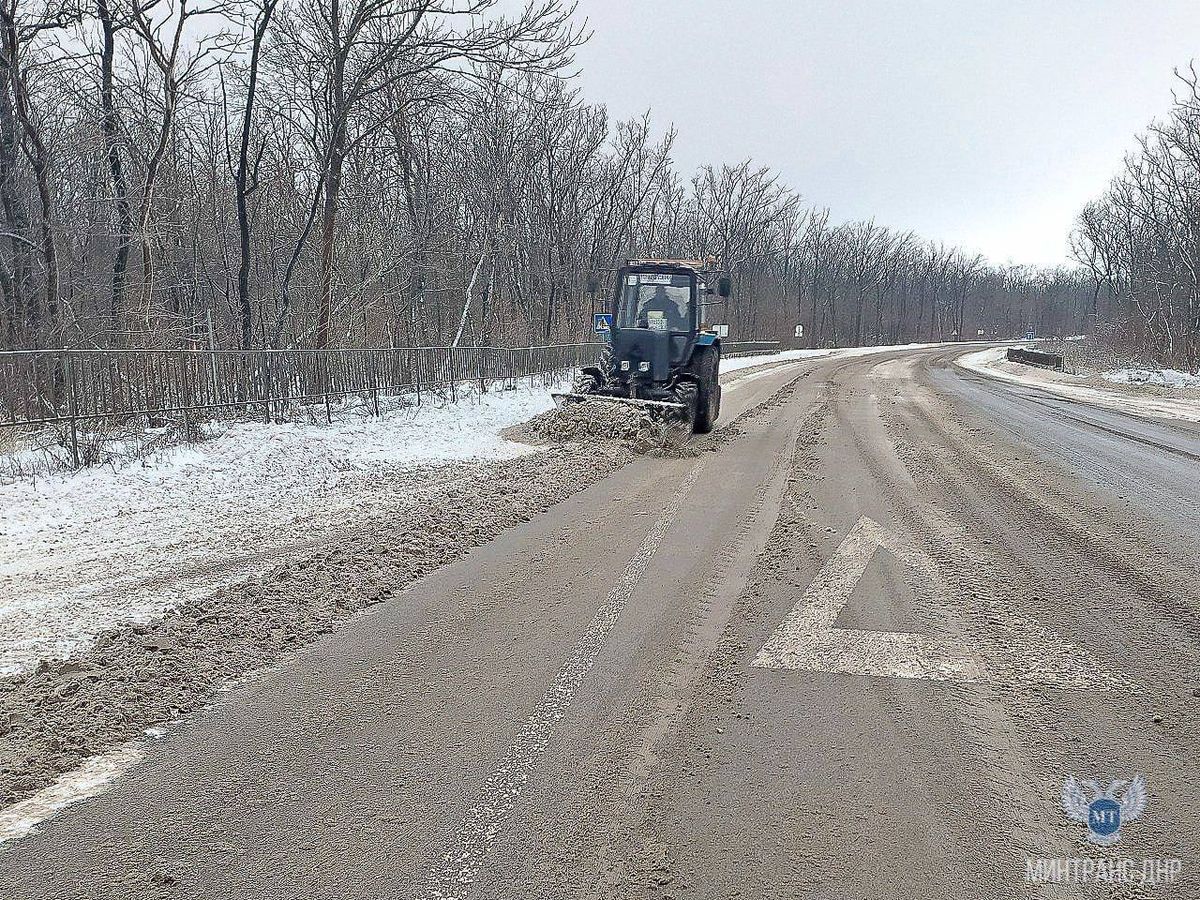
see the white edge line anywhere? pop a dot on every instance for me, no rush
(94, 777)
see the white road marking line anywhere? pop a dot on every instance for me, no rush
(807, 640)
(94, 777)
(473, 839)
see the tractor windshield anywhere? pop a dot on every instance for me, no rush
(657, 300)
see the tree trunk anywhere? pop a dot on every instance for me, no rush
(333, 186)
(109, 126)
(242, 176)
(16, 216)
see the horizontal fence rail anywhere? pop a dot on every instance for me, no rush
(749, 348)
(48, 387)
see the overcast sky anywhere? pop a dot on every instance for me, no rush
(984, 123)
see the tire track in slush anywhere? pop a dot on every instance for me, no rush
(473, 839)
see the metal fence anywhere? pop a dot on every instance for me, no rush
(57, 387)
(1035, 358)
(54, 386)
(748, 348)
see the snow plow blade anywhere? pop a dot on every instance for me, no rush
(560, 399)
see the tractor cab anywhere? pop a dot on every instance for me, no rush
(659, 314)
(662, 301)
(655, 318)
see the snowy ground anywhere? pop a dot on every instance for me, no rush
(1162, 394)
(748, 362)
(85, 551)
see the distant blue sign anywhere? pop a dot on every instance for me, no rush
(602, 323)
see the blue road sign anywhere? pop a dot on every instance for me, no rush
(602, 322)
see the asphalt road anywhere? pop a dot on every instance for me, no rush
(850, 650)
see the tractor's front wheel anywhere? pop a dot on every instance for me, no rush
(584, 383)
(708, 390)
(688, 394)
(591, 378)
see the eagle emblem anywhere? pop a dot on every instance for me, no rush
(1100, 809)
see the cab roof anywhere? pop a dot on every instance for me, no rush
(681, 263)
(688, 267)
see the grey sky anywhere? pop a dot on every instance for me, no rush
(985, 124)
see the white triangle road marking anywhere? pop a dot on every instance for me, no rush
(807, 640)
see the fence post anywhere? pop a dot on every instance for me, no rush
(266, 383)
(212, 356)
(374, 381)
(71, 409)
(415, 357)
(324, 357)
(212, 376)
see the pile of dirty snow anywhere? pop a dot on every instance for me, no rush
(644, 429)
(1168, 378)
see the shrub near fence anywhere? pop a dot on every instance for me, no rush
(54, 387)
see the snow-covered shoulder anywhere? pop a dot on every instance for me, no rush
(83, 552)
(1167, 378)
(1155, 394)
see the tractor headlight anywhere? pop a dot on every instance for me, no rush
(624, 365)
(643, 367)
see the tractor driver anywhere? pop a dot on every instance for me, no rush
(662, 302)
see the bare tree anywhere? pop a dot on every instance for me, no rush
(364, 172)
(246, 176)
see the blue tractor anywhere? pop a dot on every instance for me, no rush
(662, 353)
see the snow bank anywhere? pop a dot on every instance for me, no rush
(761, 359)
(1123, 396)
(746, 362)
(1169, 378)
(85, 551)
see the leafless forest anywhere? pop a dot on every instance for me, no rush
(1141, 240)
(321, 173)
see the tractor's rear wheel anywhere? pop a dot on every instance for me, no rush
(708, 390)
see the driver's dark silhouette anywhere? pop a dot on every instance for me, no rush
(662, 303)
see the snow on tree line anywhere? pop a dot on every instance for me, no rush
(317, 173)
